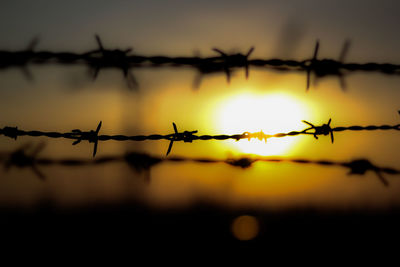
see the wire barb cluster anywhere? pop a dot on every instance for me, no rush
(325, 129)
(186, 136)
(91, 137)
(23, 157)
(102, 58)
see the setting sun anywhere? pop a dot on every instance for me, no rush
(269, 113)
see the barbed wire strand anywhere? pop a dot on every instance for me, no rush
(26, 156)
(93, 136)
(222, 62)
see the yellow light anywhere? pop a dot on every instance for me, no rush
(270, 113)
(245, 227)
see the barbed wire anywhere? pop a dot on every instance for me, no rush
(93, 136)
(224, 63)
(26, 156)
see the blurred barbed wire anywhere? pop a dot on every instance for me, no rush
(223, 63)
(93, 136)
(26, 156)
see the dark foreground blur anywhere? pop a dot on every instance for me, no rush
(201, 226)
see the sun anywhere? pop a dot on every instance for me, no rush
(270, 113)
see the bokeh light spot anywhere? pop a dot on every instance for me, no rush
(245, 227)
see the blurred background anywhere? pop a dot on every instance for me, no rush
(190, 199)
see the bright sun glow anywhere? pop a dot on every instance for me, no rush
(270, 113)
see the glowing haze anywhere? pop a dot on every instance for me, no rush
(269, 113)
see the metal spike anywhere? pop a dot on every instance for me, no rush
(197, 81)
(95, 148)
(170, 146)
(219, 51)
(345, 50)
(125, 72)
(96, 73)
(342, 82)
(132, 82)
(382, 179)
(99, 42)
(309, 123)
(308, 79)
(98, 127)
(33, 43)
(228, 75)
(316, 50)
(27, 73)
(38, 173)
(250, 51)
(38, 149)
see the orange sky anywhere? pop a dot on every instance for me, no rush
(62, 98)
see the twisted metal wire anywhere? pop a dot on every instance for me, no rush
(93, 136)
(27, 157)
(102, 58)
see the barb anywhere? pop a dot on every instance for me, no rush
(101, 58)
(206, 67)
(22, 157)
(20, 59)
(325, 129)
(186, 136)
(91, 136)
(142, 162)
(327, 67)
(361, 166)
(235, 60)
(112, 59)
(190, 136)
(11, 132)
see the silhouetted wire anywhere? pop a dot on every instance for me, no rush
(93, 136)
(27, 157)
(102, 58)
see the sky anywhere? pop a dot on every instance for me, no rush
(62, 98)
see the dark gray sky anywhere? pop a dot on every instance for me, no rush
(166, 26)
